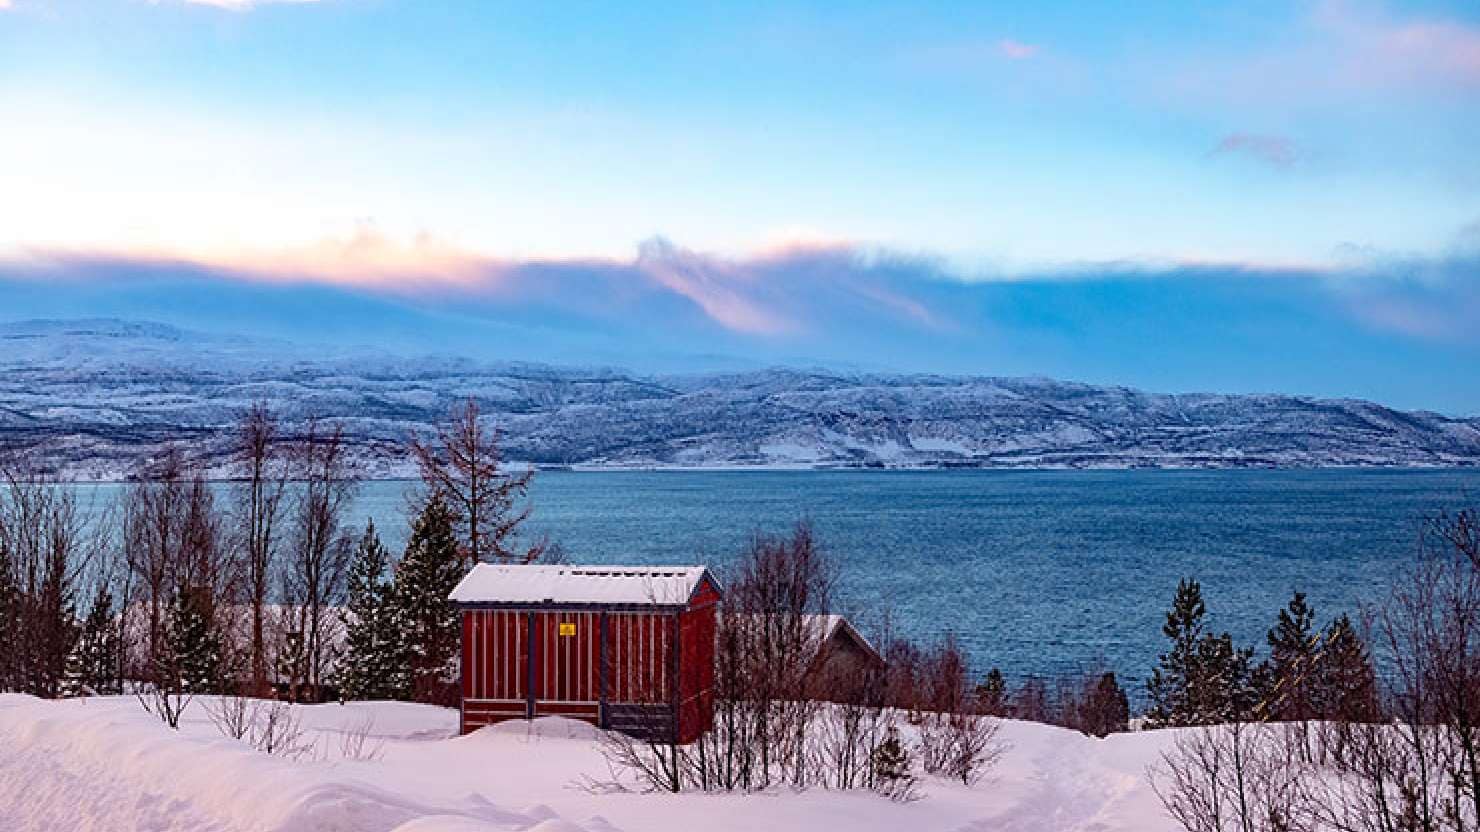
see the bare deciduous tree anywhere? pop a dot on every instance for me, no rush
(781, 588)
(174, 549)
(46, 547)
(1425, 769)
(173, 542)
(955, 740)
(319, 554)
(464, 465)
(849, 731)
(767, 640)
(264, 474)
(1237, 777)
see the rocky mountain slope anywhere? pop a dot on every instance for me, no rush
(94, 397)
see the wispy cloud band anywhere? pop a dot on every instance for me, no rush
(786, 292)
(243, 5)
(1404, 330)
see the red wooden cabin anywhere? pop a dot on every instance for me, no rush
(623, 647)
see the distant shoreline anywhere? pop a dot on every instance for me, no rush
(898, 469)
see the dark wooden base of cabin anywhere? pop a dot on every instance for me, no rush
(654, 723)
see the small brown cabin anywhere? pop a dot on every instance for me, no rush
(842, 653)
(623, 647)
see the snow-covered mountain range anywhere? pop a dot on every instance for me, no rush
(94, 397)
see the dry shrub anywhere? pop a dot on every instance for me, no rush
(955, 740)
(1237, 777)
(268, 725)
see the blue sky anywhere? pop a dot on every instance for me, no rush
(1277, 197)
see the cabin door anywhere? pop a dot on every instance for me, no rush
(567, 657)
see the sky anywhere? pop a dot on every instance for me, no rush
(1252, 197)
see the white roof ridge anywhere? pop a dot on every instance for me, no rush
(597, 584)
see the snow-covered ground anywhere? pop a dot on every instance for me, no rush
(103, 764)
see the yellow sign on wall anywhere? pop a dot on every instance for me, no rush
(567, 629)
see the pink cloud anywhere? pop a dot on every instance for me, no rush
(783, 292)
(1016, 50)
(1442, 48)
(1343, 53)
(794, 297)
(907, 306)
(1381, 48)
(1276, 151)
(1368, 47)
(975, 54)
(365, 258)
(717, 287)
(239, 5)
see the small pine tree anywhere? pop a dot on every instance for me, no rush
(1285, 680)
(1203, 679)
(991, 693)
(292, 664)
(92, 666)
(375, 664)
(1168, 688)
(1345, 685)
(193, 644)
(427, 574)
(1106, 709)
(74, 681)
(891, 765)
(1220, 688)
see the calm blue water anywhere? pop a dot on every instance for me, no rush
(1035, 572)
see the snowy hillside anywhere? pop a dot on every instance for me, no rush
(95, 396)
(99, 765)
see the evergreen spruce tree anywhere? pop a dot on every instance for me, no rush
(375, 664)
(1170, 681)
(991, 693)
(1345, 685)
(92, 666)
(292, 664)
(1286, 679)
(1203, 679)
(427, 574)
(193, 644)
(74, 678)
(1220, 689)
(1106, 709)
(891, 767)
(55, 629)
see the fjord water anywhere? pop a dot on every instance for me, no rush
(1038, 572)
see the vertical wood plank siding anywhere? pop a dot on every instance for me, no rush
(494, 658)
(630, 670)
(640, 647)
(567, 665)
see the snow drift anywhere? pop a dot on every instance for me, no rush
(104, 764)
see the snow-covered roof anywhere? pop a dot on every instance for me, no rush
(829, 626)
(826, 626)
(669, 586)
(822, 628)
